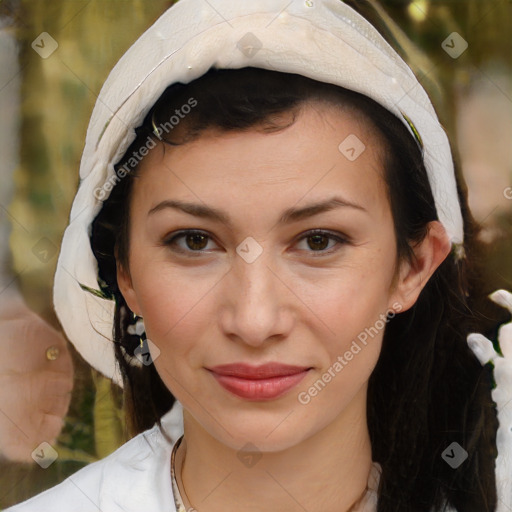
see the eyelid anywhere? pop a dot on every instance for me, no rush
(169, 240)
(339, 237)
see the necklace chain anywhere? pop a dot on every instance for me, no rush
(178, 501)
(180, 505)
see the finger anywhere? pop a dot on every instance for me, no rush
(63, 362)
(503, 298)
(50, 429)
(56, 383)
(56, 404)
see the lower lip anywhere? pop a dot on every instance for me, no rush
(259, 389)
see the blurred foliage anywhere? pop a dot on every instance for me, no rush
(418, 27)
(58, 95)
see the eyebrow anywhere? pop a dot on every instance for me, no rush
(288, 216)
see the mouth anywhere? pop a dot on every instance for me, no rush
(258, 383)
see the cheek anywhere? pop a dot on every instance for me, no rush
(353, 306)
(354, 310)
(358, 324)
(174, 316)
(174, 303)
(352, 301)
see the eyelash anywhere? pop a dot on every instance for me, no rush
(342, 240)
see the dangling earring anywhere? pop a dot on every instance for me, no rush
(137, 328)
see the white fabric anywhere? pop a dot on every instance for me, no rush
(134, 478)
(325, 40)
(502, 396)
(137, 475)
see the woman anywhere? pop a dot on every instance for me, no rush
(287, 260)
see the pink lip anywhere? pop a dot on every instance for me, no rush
(264, 382)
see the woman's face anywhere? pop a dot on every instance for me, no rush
(253, 286)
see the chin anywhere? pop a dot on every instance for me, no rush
(268, 431)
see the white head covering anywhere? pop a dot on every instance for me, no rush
(321, 39)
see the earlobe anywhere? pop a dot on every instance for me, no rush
(429, 254)
(124, 282)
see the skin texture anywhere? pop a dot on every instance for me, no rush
(35, 393)
(295, 303)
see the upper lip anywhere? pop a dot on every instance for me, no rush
(264, 371)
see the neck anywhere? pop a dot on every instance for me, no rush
(211, 477)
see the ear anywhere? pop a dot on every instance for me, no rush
(413, 276)
(124, 282)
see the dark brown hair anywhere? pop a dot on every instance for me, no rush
(428, 389)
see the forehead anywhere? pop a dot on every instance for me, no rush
(325, 149)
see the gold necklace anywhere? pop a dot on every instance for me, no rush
(178, 501)
(180, 505)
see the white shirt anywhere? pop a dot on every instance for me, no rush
(137, 476)
(134, 478)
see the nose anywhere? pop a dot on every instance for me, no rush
(258, 305)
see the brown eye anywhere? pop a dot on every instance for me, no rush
(318, 241)
(195, 241)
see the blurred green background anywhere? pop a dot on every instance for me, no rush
(473, 94)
